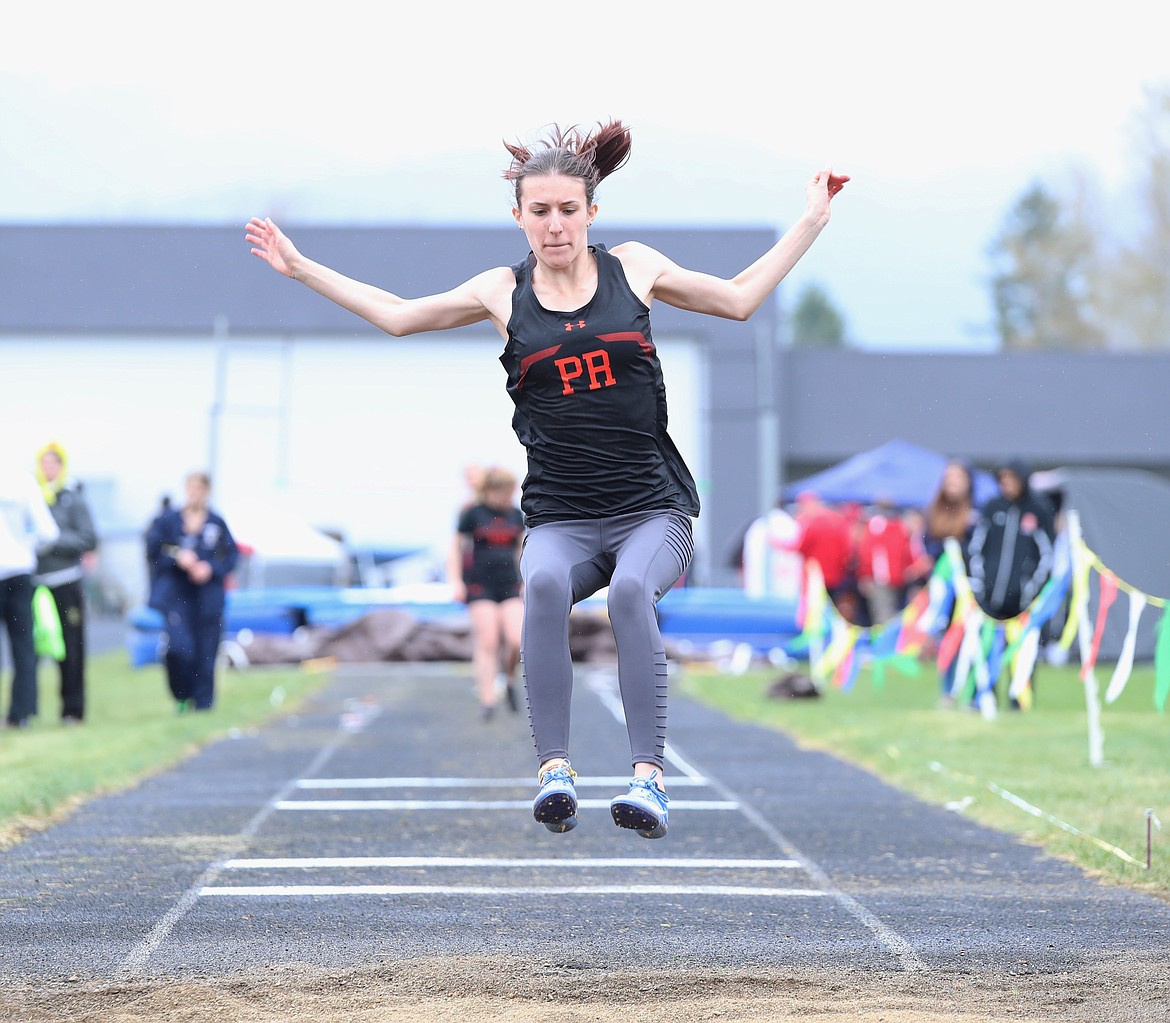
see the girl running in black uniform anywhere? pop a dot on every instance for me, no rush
(484, 569)
(607, 499)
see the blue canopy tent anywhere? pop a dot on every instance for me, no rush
(900, 472)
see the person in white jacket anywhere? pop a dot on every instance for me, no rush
(26, 525)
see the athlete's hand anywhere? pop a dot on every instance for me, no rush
(823, 186)
(271, 245)
(186, 558)
(199, 573)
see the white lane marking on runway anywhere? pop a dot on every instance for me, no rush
(690, 775)
(622, 862)
(582, 781)
(477, 804)
(250, 891)
(162, 930)
(891, 939)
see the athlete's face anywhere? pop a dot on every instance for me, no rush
(555, 217)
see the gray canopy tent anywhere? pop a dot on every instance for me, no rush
(1125, 520)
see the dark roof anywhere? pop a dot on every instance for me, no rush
(1054, 408)
(182, 278)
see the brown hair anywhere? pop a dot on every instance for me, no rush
(496, 477)
(947, 515)
(573, 153)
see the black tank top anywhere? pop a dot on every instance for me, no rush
(591, 404)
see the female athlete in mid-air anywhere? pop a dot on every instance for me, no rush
(607, 499)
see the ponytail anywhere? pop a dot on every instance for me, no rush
(569, 151)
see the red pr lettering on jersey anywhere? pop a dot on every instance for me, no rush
(596, 364)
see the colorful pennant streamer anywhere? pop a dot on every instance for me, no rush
(975, 649)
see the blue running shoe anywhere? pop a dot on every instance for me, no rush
(643, 809)
(555, 805)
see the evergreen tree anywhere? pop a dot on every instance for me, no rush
(816, 322)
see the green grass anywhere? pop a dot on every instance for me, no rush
(898, 732)
(131, 730)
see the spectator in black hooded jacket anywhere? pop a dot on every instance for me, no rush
(1010, 555)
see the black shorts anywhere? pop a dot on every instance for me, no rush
(493, 590)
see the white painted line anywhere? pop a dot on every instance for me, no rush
(690, 774)
(250, 891)
(615, 781)
(1035, 811)
(161, 931)
(476, 804)
(607, 693)
(317, 862)
(889, 937)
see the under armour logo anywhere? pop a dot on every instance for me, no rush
(580, 325)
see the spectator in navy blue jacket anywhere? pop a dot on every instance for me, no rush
(191, 551)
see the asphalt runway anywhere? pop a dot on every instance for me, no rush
(387, 822)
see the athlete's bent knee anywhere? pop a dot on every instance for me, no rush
(545, 589)
(627, 596)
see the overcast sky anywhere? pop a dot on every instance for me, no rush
(356, 113)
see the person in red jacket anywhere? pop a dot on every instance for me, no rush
(885, 556)
(825, 538)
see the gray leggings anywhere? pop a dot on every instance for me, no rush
(639, 556)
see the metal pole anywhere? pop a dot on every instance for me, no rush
(283, 455)
(767, 420)
(219, 334)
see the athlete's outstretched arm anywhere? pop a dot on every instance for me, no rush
(738, 298)
(471, 302)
